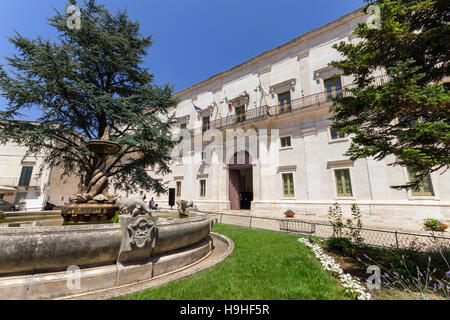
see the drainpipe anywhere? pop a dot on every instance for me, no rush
(370, 186)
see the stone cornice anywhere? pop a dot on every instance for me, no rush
(340, 163)
(269, 53)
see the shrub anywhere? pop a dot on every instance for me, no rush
(354, 225)
(355, 231)
(341, 245)
(335, 218)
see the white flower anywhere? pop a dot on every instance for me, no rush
(352, 286)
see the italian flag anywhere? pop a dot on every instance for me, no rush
(229, 103)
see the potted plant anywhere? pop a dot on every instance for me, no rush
(434, 225)
(289, 213)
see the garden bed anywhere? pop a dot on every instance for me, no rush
(404, 262)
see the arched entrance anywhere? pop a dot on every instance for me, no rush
(241, 183)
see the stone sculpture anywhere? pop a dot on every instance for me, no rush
(95, 192)
(133, 206)
(142, 232)
(183, 206)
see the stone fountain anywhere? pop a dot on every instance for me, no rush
(95, 204)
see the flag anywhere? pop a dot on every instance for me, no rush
(262, 87)
(230, 106)
(196, 107)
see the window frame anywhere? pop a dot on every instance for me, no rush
(178, 189)
(335, 180)
(286, 106)
(335, 92)
(420, 194)
(22, 177)
(204, 123)
(283, 194)
(287, 146)
(202, 194)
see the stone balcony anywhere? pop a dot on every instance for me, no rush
(265, 112)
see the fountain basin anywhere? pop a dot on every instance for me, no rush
(48, 249)
(35, 261)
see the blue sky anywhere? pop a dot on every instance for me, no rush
(194, 39)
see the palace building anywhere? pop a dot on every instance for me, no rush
(275, 109)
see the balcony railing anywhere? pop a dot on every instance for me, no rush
(304, 102)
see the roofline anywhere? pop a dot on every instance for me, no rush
(268, 53)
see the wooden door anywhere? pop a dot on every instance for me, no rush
(234, 190)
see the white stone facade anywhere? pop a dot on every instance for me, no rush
(299, 67)
(31, 193)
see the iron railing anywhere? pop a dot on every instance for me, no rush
(373, 237)
(301, 103)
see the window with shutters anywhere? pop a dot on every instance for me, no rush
(25, 176)
(425, 187)
(343, 183)
(288, 184)
(284, 100)
(240, 113)
(333, 88)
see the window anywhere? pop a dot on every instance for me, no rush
(285, 142)
(336, 134)
(25, 176)
(343, 183)
(240, 113)
(180, 157)
(183, 126)
(203, 155)
(333, 87)
(425, 187)
(288, 184)
(178, 188)
(205, 124)
(202, 188)
(284, 100)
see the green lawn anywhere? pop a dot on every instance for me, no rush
(264, 265)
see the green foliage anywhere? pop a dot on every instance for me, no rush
(409, 116)
(352, 227)
(2, 216)
(355, 231)
(115, 219)
(341, 245)
(86, 81)
(335, 219)
(410, 270)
